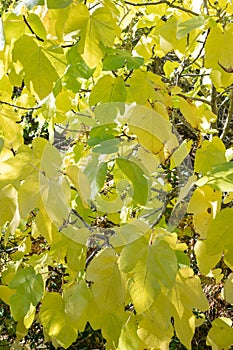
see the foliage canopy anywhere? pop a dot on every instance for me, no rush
(116, 171)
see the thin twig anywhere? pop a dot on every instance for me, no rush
(9, 250)
(90, 228)
(195, 99)
(19, 107)
(200, 52)
(163, 2)
(81, 114)
(71, 130)
(31, 30)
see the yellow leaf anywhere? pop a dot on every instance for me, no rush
(29, 317)
(107, 288)
(55, 321)
(168, 39)
(211, 153)
(187, 293)
(128, 338)
(155, 326)
(220, 336)
(80, 182)
(77, 299)
(169, 67)
(228, 289)
(185, 327)
(154, 132)
(205, 261)
(204, 204)
(6, 293)
(180, 153)
(8, 199)
(218, 50)
(189, 111)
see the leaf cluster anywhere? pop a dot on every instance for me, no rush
(116, 172)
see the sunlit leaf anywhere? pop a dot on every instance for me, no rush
(221, 333)
(219, 235)
(107, 288)
(55, 321)
(80, 182)
(37, 68)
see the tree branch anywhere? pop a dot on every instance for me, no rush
(163, 2)
(228, 119)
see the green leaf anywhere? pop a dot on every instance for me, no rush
(116, 59)
(134, 62)
(189, 25)
(107, 147)
(139, 180)
(29, 290)
(37, 68)
(108, 89)
(219, 235)
(113, 62)
(78, 67)
(101, 133)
